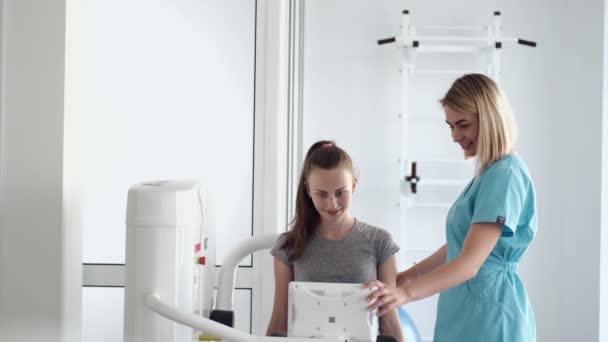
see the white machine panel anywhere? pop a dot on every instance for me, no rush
(331, 310)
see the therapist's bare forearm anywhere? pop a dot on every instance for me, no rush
(433, 261)
(442, 278)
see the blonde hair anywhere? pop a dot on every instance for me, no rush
(478, 94)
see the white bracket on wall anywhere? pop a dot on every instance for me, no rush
(486, 40)
(491, 43)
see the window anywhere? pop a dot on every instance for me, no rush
(165, 84)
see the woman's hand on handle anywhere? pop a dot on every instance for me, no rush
(386, 297)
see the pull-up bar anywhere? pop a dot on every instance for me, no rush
(415, 40)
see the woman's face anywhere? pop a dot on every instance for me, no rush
(331, 192)
(465, 129)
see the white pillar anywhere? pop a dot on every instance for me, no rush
(40, 263)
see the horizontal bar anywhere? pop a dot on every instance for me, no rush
(444, 72)
(449, 48)
(386, 40)
(451, 27)
(476, 40)
(415, 40)
(459, 39)
(526, 42)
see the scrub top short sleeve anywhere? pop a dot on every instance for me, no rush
(500, 199)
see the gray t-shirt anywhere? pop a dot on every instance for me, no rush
(354, 259)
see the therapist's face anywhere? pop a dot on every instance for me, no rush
(465, 129)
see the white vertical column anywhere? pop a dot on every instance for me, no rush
(39, 264)
(496, 33)
(406, 68)
(270, 182)
(603, 309)
(72, 187)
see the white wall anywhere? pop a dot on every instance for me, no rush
(348, 85)
(38, 297)
(556, 91)
(557, 95)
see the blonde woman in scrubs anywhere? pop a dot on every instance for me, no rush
(488, 230)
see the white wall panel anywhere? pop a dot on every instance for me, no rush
(352, 94)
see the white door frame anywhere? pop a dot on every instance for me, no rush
(278, 138)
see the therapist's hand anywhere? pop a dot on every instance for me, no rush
(387, 297)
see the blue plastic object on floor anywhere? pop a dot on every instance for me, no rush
(410, 332)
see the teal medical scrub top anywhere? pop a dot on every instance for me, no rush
(494, 305)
